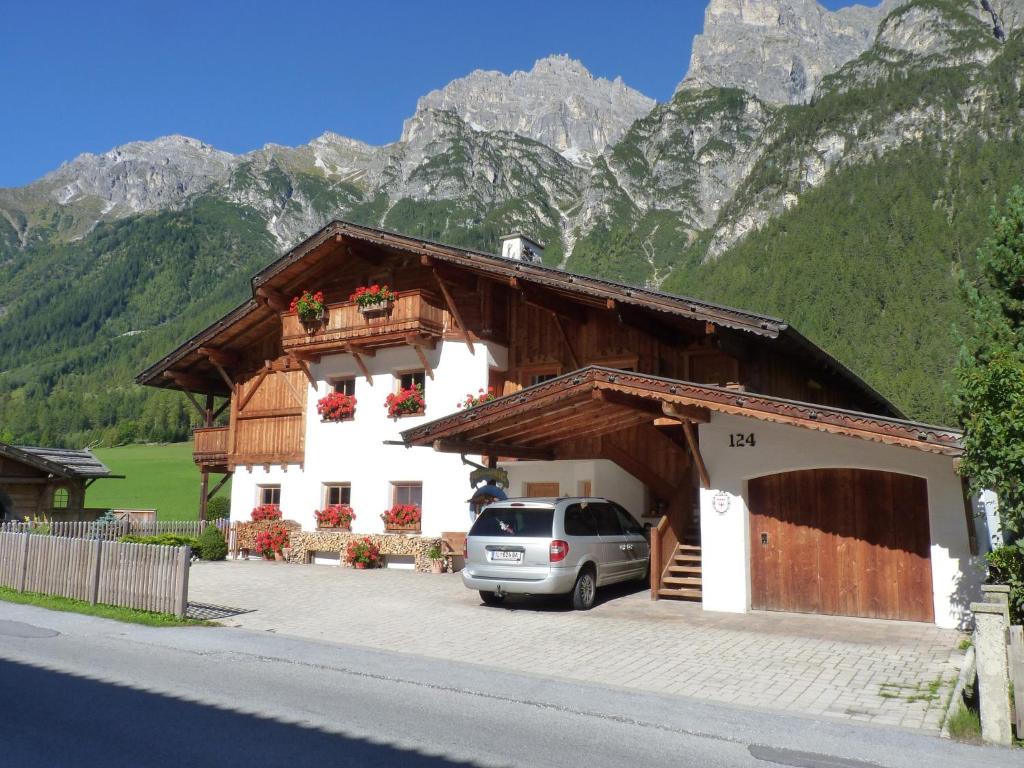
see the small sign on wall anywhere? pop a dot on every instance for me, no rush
(721, 502)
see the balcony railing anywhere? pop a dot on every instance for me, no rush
(211, 446)
(417, 312)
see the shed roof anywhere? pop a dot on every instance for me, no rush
(65, 462)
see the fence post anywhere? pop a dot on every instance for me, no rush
(181, 588)
(94, 593)
(24, 561)
(993, 673)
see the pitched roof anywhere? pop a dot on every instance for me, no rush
(65, 462)
(509, 413)
(249, 311)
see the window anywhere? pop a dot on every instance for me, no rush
(629, 524)
(269, 494)
(514, 521)
(60, 498)
(607, 519)
(345, 386)
(413, 378)
(579, 521)
(407, 493)
(337, 493)
(528, 377)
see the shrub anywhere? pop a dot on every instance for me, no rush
(212, 545)
(434, 553)
(272, 540)
(218, 508)
(1006, 566)
(402, 515)
(164, 540)
(335, 516)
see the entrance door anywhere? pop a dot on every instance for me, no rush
(851, 542)
(541, 490)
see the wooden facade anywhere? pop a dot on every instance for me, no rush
(35, 483)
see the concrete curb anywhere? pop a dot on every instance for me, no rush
(967, 672)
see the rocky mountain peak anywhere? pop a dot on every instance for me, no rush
(558, 103)
(779, 50)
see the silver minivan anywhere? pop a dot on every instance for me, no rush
(551, 546)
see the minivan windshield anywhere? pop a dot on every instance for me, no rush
(528, 522)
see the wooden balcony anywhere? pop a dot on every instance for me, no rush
(211, 446)
(414, 314)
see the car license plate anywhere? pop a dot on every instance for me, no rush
(507, 556)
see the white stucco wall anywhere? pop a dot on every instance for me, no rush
(607, 479)
(354, 451)
(725, 536)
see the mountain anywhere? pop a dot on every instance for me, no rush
(844, 197)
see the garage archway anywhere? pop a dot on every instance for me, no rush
(850, 542)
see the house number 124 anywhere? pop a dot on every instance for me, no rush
(742, 440)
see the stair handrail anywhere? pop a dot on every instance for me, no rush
(658, 534)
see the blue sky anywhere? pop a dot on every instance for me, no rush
(240, 74)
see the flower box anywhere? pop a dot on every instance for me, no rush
(336, 517)
(337, 406)
(373, 300)
(406, 402)
(402, 518)
(376, 309)
(396, 528)
(310, 309)
(334, 528)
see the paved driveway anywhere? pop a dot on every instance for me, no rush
(884, 672)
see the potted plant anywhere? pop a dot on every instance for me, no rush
(402, 517)
(436, 559)
(373, 299)
(266, 512)
(335, 516)
(272, 541)
(405, 402)
(337, 406)
(482, 396)
(310, 308)
(362, 553)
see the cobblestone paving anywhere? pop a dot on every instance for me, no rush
(883, 672)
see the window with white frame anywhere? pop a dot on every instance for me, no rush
(410, 379)
(268, 494)
(337, 493)
(407, 493)
(345, 386)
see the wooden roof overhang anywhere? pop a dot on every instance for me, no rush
(58, 462)
(667, 316)
(538, 421)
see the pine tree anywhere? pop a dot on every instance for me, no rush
(991, 372)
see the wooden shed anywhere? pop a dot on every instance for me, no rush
(47, 482)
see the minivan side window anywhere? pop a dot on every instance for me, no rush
(530, 522)
(607, 519)
(629, 524)
(579, 521)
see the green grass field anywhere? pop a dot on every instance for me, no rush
(160, 477)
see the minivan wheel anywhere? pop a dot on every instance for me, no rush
(585, 591)
(491, 598)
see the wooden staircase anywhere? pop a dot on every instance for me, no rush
(682, 576)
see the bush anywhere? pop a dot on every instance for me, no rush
(212, 545)
(164, 540)
(218, 508)
(1006, 566)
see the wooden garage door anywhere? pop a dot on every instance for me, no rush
(852, 542)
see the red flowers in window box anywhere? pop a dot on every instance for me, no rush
(372, 296)
(337, 406)
(479, 398)
(309, 306)
(335, 516)
(271, 541)
(402, 517)
(406, 402)
(266, 512)
(362, 553)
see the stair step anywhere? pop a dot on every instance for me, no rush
(682, 581)
(688, 547)
(675, 569)
(680, 594)
(687, 559)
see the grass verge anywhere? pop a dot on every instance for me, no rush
(130, 615)
(965, 725)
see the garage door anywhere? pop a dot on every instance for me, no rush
(852, 542)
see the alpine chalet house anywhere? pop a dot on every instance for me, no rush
(773, 477)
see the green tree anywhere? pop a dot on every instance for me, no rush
(991, 372)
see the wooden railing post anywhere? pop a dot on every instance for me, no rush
(94, 592)
(24, 561)
(181, 588)
(656, 564)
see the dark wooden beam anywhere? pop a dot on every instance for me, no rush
(273, 299)
(454, 309)
(244, 400)
(188, 381)
(220, 356)
(691, 440)
(218, 486)
(560, 322)
(223, 407)
(304, 367)
(495, 449)
(686, 413)
(560, 306)
(361, 365)
(423, 361)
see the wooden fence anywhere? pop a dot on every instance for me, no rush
(112, 531)
(144, 576)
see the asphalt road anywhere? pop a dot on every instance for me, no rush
(83, 692)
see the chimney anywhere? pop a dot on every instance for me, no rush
(519, 247)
